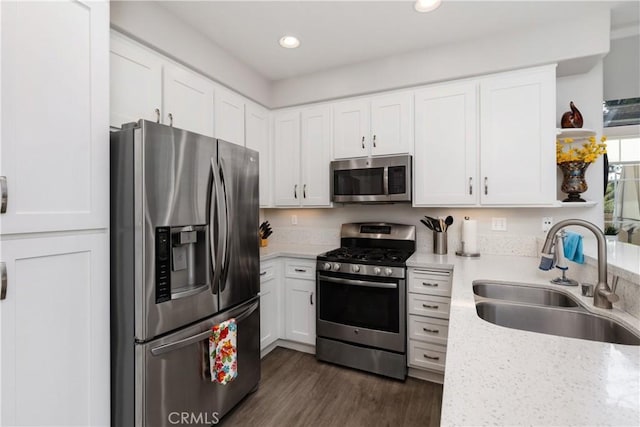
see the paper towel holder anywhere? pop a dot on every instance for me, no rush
(461, 252)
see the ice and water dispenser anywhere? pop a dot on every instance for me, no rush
(182, 255)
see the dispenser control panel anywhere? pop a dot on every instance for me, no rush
(163, 264)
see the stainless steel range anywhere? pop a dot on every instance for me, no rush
(361, 289)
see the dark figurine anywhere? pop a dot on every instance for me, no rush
(571, 119)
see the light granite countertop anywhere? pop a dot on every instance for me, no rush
(293, 251)
(500, 376)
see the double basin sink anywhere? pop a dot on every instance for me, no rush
(547, 311)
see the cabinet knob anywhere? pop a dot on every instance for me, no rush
(170, 119)
(295, 191)
(311, 298)
(157, 110)
(363, 142)
(374, 140)
(470, 186)
(486, 185)
(304, 191)
(3, 280)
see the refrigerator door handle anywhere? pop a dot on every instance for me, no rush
(166, 348)
(216, 254)
(225, 226)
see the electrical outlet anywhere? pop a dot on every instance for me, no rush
(499, 224)
(294, 219)
(547, 222)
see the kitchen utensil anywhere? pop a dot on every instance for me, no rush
(427, 224)
(435, 224)
(447, 222)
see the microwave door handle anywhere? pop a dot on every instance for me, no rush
(385, 178)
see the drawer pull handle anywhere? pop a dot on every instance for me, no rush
(300, 270)
(431, 331)
(434, 285)
(435, 307)
(263, 273)
(431, 357)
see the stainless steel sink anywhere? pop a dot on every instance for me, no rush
(556, 321)
(523, 294)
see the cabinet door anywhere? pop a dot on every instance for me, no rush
(55, 115)
(188, 98)
(257, 138)
(135, 82)
(517, 137)
(287, 159)
(315, 156)
(54, 358)
(269, 311)
(300, 311)
(391, 131)
(229, 122)
(351, 129)
(445, 159)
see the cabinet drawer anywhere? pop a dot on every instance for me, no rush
(301, 269)
(428, 329)
(267, 272)
(431, 282)
(429, 356)
(428, 305)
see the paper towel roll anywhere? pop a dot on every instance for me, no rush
(470, 235)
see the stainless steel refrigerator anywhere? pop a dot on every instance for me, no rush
(184, 257)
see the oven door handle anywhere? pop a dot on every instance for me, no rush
(387, 285)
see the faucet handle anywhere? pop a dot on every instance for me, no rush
(614, 282)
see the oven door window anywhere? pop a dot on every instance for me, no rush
(374, 307)
(358, 182)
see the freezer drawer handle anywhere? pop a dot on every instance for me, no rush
(166, 348)
(189, 292)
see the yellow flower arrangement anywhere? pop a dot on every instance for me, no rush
(589, 152)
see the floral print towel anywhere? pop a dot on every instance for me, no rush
(222, 352)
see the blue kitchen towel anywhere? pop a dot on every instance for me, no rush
(573, 247)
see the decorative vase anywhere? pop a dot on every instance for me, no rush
(571, 119)
(573, 182)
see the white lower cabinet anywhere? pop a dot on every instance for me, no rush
(270, 303)
(429, 301)
(55, 331)
(300, 300)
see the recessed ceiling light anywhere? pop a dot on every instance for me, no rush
(289, 42)
(427, 5)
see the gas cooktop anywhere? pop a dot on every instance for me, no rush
(369, 256)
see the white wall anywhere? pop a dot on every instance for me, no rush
(576, 44)
(622, 69)
(151, 24)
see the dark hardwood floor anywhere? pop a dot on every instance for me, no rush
(297, 390)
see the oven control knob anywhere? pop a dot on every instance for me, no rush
(388, 271)
(376, 271)
(327, 266)
(336, 266)
(355, 268)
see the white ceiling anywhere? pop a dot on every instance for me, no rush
(338, 33)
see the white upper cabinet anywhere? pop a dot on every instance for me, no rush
(136, 82)
(446, 145)
(351, 129)
(188, 100)
(315, 156)
(257, 138)
(391, 130)
(145, 85)
(55, 115)
(302, 147)
(230, 117)
(373, 126)
(487, 141)
(287, 158)
(517, 134)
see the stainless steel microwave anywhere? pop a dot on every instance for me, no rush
(371, 180)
